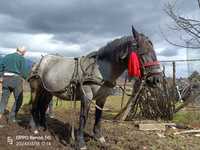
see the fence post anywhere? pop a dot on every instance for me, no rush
(174, 73)
(174, 82)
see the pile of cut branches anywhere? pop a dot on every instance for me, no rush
(150, 103)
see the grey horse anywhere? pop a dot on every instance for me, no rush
(90, 77)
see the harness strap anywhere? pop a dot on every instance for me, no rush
(92, 102)
(151, 63)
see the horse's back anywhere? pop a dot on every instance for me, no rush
(56, 72)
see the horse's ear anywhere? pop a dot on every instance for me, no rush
(135, 33)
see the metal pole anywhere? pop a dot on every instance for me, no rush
(187, 57)
(174, 73)
(174, 82)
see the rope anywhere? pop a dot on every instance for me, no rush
(73, 85)
(90, 100)
(73, 105)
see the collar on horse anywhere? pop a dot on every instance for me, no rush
(89, 77)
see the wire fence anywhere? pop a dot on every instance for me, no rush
(184, 75)
(182, 68)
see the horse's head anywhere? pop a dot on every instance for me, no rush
(149, 66)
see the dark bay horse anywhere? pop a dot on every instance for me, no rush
(94, 77)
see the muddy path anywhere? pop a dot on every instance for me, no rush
(119, 136)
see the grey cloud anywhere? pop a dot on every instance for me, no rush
(86, 23)
(95, 17)
(168, 52)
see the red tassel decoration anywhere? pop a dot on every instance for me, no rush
(134, 66)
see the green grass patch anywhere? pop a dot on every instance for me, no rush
(112, 107)
(26, 99)
(113, 104)
(57, 103)
(187, 117)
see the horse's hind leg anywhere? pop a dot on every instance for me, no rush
(36, 93)
(83, 116)
(97, 126)
(43, 105)
(34, 122)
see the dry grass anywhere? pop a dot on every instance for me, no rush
(112, 107)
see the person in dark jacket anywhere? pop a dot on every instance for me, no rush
(14, 70)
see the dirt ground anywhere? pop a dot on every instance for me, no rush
(119, 136)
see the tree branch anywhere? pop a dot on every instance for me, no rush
(179, 45)
(190, 27)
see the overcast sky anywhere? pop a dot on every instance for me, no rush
(76, 27)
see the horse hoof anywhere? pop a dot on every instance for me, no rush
(83, 148)
(45, 128)
(99, 138)
(102, 140)
(36, 132)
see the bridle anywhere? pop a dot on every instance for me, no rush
(149, 68)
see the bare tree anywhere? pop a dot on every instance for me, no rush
(189, 27)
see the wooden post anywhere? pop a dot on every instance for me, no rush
(123, 94)
(122, 115)
(164, 69)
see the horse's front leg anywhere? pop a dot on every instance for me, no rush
(97, 125)
(87, 94)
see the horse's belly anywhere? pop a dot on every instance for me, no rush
(63, 96)
(58, 77)
(66, 96)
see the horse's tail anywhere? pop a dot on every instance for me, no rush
(34, 73)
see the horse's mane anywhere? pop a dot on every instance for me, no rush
(109, 51)
(111, 47)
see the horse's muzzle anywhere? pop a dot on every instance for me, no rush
(153, 81)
